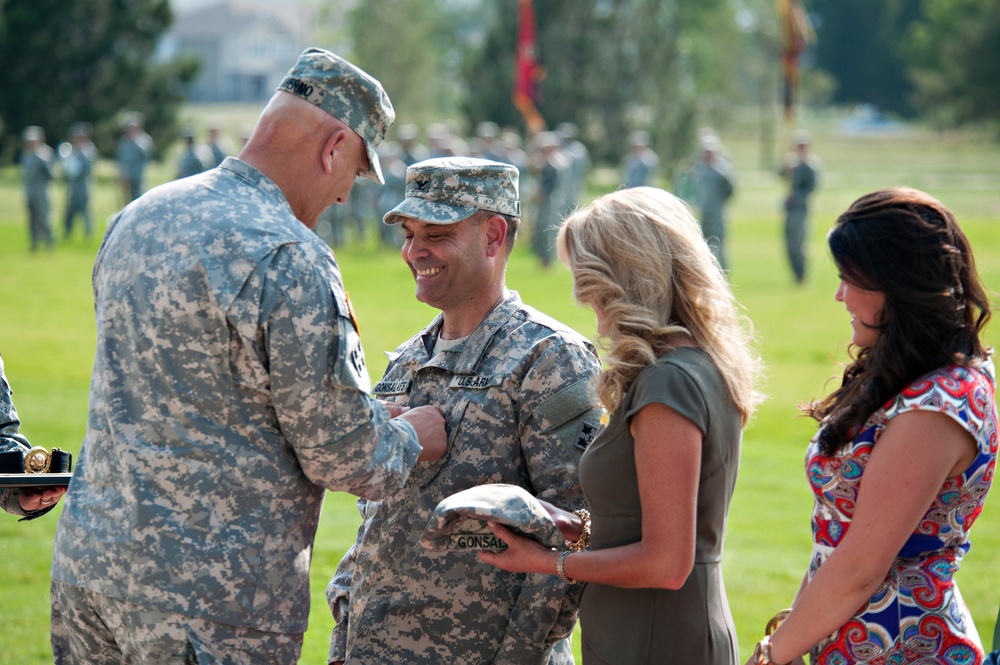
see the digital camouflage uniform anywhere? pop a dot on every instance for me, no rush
(519, 409)
(229, 393)
(12, 439)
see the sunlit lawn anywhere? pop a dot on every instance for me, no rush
(47, 339)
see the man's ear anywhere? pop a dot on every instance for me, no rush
(496, 234)
(332, 149)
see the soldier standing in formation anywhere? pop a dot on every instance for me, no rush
(217, 145)
(192, 161)
(77, 166)
(641, 163)
(552, 173)
(37, 170)
(515, 387)
(579, 160)
(135, 149)
(229, 394)
(714, 185)
(800, 169)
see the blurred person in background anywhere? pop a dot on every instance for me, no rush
(641, 164)
(134, 151)
(77, 158)
(38, 163)
(714, 185)
(801, 171)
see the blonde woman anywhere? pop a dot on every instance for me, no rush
(679, 386)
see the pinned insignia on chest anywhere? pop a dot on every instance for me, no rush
(459, 521)
(588, 433)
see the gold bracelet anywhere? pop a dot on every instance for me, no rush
(776, 621)
(583, 542)
(762, 652)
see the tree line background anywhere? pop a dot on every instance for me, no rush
(666, 66)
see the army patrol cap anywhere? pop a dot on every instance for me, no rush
(348, 94)
(33, 133)
(459, 521)
(445, 190)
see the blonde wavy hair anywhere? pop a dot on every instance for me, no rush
(640, 256)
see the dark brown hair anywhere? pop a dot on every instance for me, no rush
(907, 245)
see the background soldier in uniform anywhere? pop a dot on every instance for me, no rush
(135, 149)
(192, 160)
(77, 165)
(800, 169)
(714, 185)
(641, 164)
(37, 164)
(553, 176)
(515, 387)
(229, 394)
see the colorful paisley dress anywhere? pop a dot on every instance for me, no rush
(917, 615)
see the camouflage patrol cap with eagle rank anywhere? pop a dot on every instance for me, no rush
(459, 521)
(348, 94)
(445, 190)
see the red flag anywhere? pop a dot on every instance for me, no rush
(796, 34)
(528, 73)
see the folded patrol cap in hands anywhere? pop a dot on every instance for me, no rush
(445, 190)
(459, 521)
(348, 94)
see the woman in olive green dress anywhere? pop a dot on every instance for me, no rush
(679, 387)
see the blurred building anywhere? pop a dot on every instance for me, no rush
(245, 47)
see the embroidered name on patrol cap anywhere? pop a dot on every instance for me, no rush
(348, 94)
(446, 190)
(459, 521)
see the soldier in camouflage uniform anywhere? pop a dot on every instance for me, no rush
(78, 166)
(229, 394)
(20, 501)
(714, 183)
(37, 163)
(800, 169)
(134, 150)
(515, 387)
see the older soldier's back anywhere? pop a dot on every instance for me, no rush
(229, 393)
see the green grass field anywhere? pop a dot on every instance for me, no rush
(47, 340)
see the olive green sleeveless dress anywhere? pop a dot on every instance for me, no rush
(657, 626)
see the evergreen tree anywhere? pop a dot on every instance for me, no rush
(86, 60)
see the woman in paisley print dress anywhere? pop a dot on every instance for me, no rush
(915, 418)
